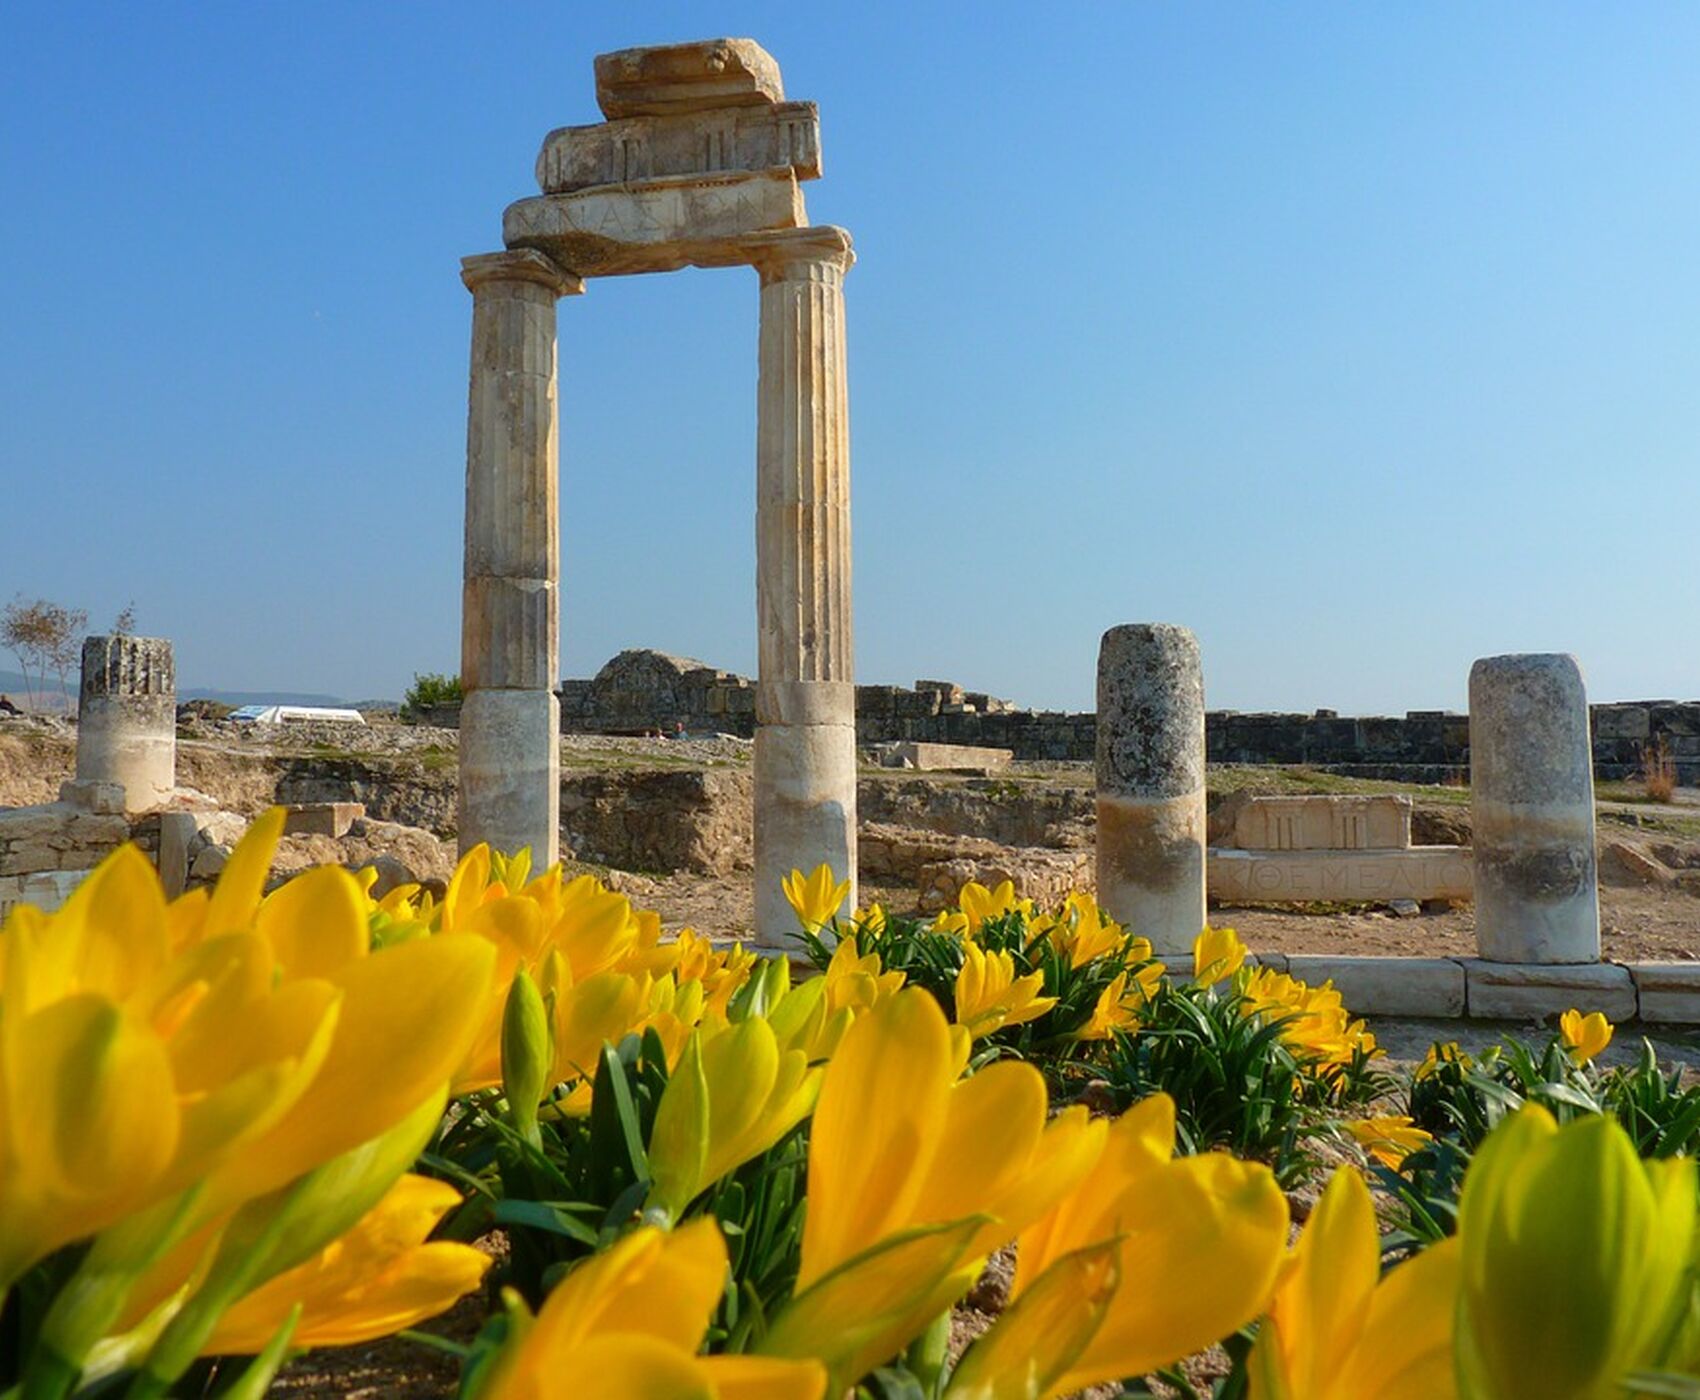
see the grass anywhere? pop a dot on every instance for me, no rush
(1270, 780)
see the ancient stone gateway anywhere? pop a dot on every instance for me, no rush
(697, 166)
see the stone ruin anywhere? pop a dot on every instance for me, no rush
(698, 164)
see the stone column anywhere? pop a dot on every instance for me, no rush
(1532, 811)
(805, 754)
(127, 718)
(1151, 822)
(510, 722)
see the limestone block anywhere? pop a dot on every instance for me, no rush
(1532, 807)
(11, 893)
(321, 818)
(1280, 877)
(50, 889)
(510, 772)
(656, 225)
(27, 857)
(1386, 986)
(209, 862)
(1621, 722)
(36, 824)
(1150, 782)
(177, 831)
(781, 137)
(1530, 991)
(1323, 823)
(1668, 992)
(107, 799)
(935, 758)
(699, 76)
(1044, 876)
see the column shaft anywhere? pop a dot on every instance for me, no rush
(510, 607)
(805, 755)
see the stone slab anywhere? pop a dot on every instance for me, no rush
(1280, 877)
(321, 818)
(778, 138)
(656, 225)
(1668, 992)
(101, 798)
(936, 758)
(1530, 991)
(694, 77)
(177, 831)
(1388, 986)
(1323, 823)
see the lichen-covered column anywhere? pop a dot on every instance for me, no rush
(805, 754)
(1151, 820)
(127, 718)
(1532, 811)
(510, 719)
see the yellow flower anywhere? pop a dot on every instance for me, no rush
(1315, 1024)
(1337, 1330)
(1442, 1053)
(858, 982)
(989, 996)
(870, 921)
(377, 1279)
(1217, 954)
(1198, 1242)
(1585, 1036)
(1575, 1263)
(1390, 1140)
(732, 1097)
(817, 897)
(632, 1318)
(1112, 1012)
(913, 1179)
(1086, 932)
(979, 904)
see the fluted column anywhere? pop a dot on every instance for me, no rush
(510, 721)
(805, 755)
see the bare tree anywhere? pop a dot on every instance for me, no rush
(47, 637)
(124, 624)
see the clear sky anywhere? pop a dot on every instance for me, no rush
(1363, 339)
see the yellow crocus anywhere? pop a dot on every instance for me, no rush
(377, 1279)
(1576, 1259)
(979, 905)
(1389, 1139)
(1585, 1036)
(1116, 1009)
(1085, 932)
(1442, 1053)
(1217, 954)
(731, 1098)
(856, 981)
(989, 996)
(817, 897)
(633, 1317)
(913, 1179)
(1199, 1242)
(1338, 1330)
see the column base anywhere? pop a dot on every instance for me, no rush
(1151, 867)
(510, 772)
(805, 813)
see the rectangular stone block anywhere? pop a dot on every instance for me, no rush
(49, 889)
(1324, 823)
(321, 818)
(1388, 986)
(1530, 991)
(1280, 877)
(698, 76)
(781, 137)
(934, 758)
(176, 834)
(656, 225)
(1668, 992)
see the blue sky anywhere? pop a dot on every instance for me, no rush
(1363, 339)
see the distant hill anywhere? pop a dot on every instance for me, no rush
(12, 683)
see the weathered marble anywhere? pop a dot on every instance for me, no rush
(1150, 781)
(805, 755)
(127, 718)
(698, 76)
(780, 138)
(1323, 823)
(1532, 811)
(1284, 877)
(1531, 991)
(510, 607)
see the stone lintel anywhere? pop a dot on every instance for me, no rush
(784, 137)
(1668, 992)
(1377, 986)
(1285, 877)
(658, 225)
(693, 77)
(519, 265)
(1531, 991)
(1325, 822)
